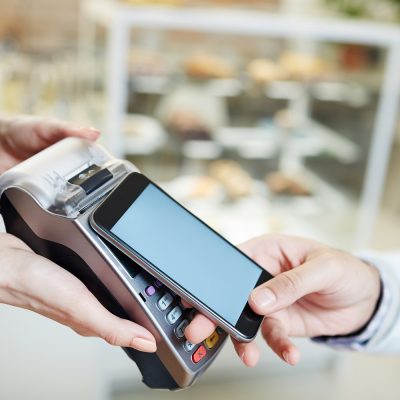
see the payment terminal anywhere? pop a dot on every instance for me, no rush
(47, 200)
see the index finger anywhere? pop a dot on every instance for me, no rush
(199, 329)
(249, 353)
(52, 131)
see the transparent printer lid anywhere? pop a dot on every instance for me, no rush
(52, 176)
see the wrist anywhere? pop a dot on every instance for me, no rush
(359, 338)
(10, 246)
(5, 125)
(6, 278)
(6, 133)
(370, 316)
(369, 305)
(374, 295)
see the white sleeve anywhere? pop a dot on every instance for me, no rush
(386, 336)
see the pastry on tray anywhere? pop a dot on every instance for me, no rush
(262, 70)
(235, 180)
(301, 66)
(283, 184)
(208, 66)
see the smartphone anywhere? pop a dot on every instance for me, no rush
(184, 253)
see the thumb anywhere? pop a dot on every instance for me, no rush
(288, 287)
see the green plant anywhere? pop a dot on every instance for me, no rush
(365, 8)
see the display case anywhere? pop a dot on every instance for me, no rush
(256, 122)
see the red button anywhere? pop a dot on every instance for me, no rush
(199, 354)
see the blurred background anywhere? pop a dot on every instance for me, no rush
(259, 116)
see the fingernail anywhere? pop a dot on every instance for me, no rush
(286, 356)
(292, 358)
(242, 354)
(144, 345)
(90, 129)
(93, 131)
(263, 297)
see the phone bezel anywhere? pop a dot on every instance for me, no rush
(106, 215)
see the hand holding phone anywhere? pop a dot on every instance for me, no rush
(183, 252)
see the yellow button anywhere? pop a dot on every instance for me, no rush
(212, 340)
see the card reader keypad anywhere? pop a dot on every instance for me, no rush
(174, 319)
(199, 354)
(180, 329)
(165, 301)
(174, 315)
(189, 346)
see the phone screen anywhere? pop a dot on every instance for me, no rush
(186, 250)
